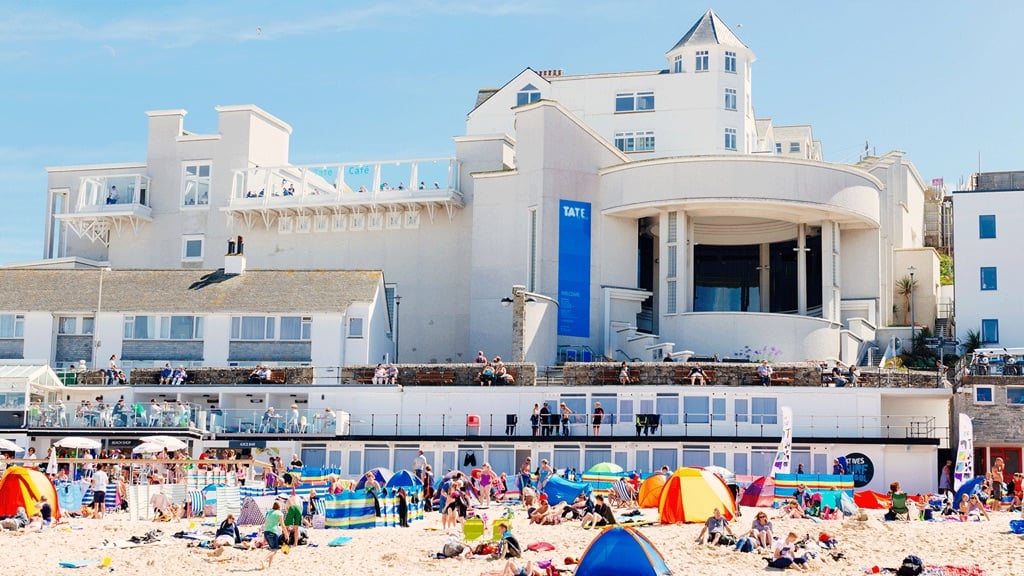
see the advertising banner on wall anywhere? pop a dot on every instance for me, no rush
(964, 453)
(784, 457)
(574, 268)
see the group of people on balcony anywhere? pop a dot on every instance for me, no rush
(981, 365)
(117, 414)
(294, 422)
(385, 374)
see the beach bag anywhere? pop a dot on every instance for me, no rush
(452, 549)
(727, 540)
(912, 566)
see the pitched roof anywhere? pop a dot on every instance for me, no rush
(709, 29)
(187, 291)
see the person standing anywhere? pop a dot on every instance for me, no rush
(545, 420)
(946, 479)
(566, 418)
(419, 464)
(99, 491)
(598, 417)
(112, 370)
(535, 420)
(996, 478)
(272, 529)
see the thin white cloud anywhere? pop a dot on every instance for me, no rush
(203, 24)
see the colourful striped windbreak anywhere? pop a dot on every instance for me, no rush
(786, 484)
(350, 510)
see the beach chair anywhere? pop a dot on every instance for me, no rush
(899, 507)
(472, 529)
(622, 494)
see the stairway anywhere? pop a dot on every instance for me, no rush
(942, 328)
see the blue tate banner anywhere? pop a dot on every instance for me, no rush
(574, 268)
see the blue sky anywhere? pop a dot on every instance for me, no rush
(394, 79)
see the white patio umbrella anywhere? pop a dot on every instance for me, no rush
(148, 448)
(8, 446)
(78, 443)
(169, 442)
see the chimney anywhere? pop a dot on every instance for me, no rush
(234, 260)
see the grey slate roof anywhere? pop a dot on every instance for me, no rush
(709, 30)
(187, 291)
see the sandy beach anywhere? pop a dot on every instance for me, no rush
(865, 543)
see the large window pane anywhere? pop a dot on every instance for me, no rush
(987, 226)
(145, 327)
(291, 328)
(696, 410)
(667, 407)
(253, 327)
(182, 327)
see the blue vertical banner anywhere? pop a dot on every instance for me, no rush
(574, 268)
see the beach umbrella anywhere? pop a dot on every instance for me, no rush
(78, 443)
(8, 446)
(169, 442)
(147, 448)
(605, 468)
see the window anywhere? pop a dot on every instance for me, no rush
(252, 328)
(778, 147)
(87, 325)
(730, 99)
(988, 278)
(67, 325)
(635, 141)
(296, 327)
(696, 410)
(634, 102)
(1014, 395)
(730, 138)
(163, 328)
(677, 64)
(667, 406)
(794, 147)
(989, 331)
(355, 327)
(12, 325)
(741, 406)
(702, 61)
(718, 409)
(192, 248)
(987, 226)
(730, 62)
(196, 185)
(764, 411)
(527, 94)
(983, 395)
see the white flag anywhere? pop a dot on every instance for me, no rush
(964, 453)
(785, 454)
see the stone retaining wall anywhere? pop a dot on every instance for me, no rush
(294, 375)
(525, 373)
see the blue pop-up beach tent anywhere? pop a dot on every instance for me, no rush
(622, 550)
(559, 489)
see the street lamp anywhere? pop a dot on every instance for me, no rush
(96, 321)
(398, 304)
(518, 302)
(912, 322)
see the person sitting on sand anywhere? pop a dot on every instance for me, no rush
(785, 554)
(537, 514)
(715, 527)
(791, 509)
(163, 510)
(976, 510)
(762, 528)
(529, 569)
(579, 508)
(227, 534)
(601, 516)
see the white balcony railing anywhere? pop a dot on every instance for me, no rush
(109, 202)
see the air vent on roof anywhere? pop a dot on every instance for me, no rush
(549, 73)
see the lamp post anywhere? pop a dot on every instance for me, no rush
(96, 321)
(518, 302)
(912, 322)
(398, 315)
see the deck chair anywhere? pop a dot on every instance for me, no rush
(624, 494)
(899, 507)
(472, 529)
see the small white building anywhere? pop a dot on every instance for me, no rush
(989, 276)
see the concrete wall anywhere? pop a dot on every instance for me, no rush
(995, 423)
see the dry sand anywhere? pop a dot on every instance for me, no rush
(865, 543)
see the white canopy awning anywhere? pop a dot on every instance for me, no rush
(20, 376)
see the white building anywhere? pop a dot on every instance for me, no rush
(652, 205)
(989, 278)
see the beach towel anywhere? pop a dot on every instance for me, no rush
(540, 546)
(340, 540)
(77, 563)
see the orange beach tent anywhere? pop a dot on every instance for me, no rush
(650, 491)
(26, 487)
(692, 494)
